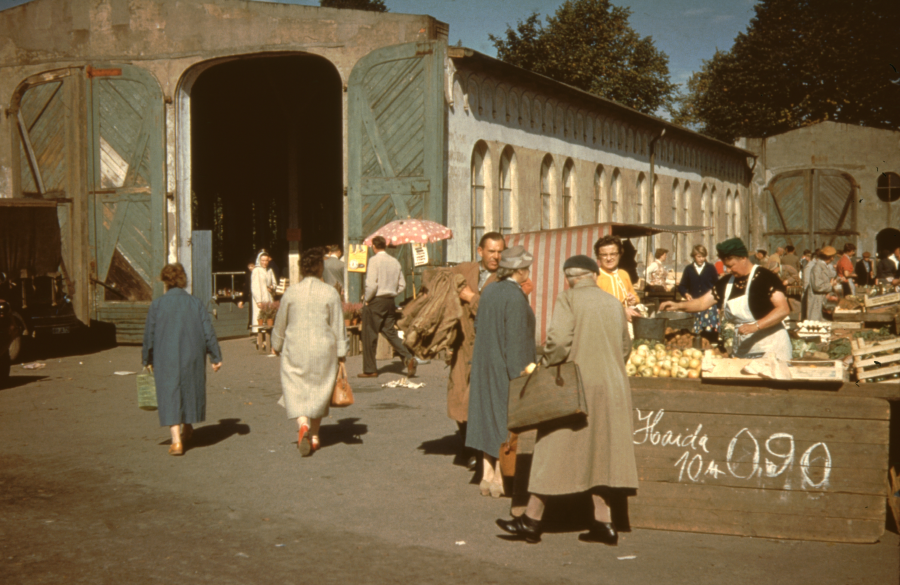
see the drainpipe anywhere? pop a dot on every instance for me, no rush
(653, 191)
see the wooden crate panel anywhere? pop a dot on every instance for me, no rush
(794, 466)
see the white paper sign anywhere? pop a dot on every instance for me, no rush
(420, 254)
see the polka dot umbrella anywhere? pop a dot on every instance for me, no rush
(411, 231)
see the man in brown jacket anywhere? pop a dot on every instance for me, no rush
(477, 275)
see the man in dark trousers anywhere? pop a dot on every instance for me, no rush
(384, 281)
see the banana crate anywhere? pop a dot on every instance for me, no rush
(877, 361)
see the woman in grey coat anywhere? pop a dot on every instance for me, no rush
(177, 336)
(504, 346)
(309, 334)
(589, 328)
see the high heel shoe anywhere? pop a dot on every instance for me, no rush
(176, 449)
(315, 443)
(485, 487)
(186, 433)
(523, 527)
(496, 490)
(304, 445)
(603, 532)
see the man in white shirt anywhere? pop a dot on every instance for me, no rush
(384, 281)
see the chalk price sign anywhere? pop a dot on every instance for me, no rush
(747, 456)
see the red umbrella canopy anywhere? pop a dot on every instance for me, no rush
(411, 231)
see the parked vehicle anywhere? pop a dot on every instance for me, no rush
(39, 310)
(7, 331)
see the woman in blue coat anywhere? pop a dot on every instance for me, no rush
(697, 279)
(177, 336)
(504, 346)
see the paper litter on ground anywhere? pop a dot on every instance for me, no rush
(404, 383)
(627, 558)
(124, 373)
(34, 366)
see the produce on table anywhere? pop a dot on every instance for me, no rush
(653, 360)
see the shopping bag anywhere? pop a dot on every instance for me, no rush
(146, 390)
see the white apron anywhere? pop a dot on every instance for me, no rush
(772, 339)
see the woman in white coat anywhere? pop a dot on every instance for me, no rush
(262, 283)
(309, 334)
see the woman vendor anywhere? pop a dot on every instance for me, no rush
(612, 279)
(754, 301)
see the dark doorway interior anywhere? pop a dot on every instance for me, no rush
(265, 130)
(887, 241)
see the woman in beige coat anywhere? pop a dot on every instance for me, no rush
(589, 328)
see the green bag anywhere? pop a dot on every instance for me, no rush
(146, 389)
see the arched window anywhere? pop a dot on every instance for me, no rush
(548, 187)
(704, 217)
(481, 164)
(614, 190)
(642, 200)
(888, 187)
(599, 192)
(566, 212)
(676, 203)
(729, 215)
(714, 216)
(686, 201)
(508, 184)
(736, 215)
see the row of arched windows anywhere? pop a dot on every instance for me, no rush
(517, 107)
(497, 209)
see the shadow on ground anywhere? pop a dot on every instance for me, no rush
(18, 381)
(209, 435)
(346, 431)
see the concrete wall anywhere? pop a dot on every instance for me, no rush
(863, 153)
(503, 111)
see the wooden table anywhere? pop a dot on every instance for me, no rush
(786, 460)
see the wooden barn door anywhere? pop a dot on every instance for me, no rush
(396, 141)
(811, 208)
(127, 194)
(48, 112)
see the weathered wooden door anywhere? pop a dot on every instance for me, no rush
(811, 208)
(396, 141)
(48, 112)
(127, 194)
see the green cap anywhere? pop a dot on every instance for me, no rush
(732, 247)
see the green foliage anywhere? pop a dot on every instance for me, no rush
(590, 45)
(370, 5)
(800, 62)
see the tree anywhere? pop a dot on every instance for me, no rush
(370, 5)
(590, 45)
(800, 62)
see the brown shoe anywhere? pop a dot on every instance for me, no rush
(365, 375)
(176, 449)
(411, 364)
(186, 433)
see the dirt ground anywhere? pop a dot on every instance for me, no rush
(89, 495)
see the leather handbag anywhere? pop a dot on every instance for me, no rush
(146, 389)
(547, 394)
(508, 453)
(342, 394)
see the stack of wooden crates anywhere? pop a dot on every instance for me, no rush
(876, 362)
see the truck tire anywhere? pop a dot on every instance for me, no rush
(18, 343)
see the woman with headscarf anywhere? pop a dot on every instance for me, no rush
(504, 346)
(177, 336)
(262, 283)
(753, 300)
(589, 328)
(309, 333)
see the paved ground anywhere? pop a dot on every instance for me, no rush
(89, 495)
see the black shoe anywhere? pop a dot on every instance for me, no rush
(603, 532)
(523, 527)
(411, 367)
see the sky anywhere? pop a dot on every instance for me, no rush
(688, 31)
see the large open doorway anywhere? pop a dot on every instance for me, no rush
(266, 156)
(886, 241)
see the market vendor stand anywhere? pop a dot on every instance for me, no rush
(787, 460)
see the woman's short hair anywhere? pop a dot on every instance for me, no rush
(609, 240)
(173, 276)
(379, 243)
(312, 262)
(699, 250)
(660, 252)
(504, 273)
(849, 247)
(332, 248)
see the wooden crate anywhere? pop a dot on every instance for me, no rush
(868, 365)
(773, 465)
(881, 300)
(814, 371)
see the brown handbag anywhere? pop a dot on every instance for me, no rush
(508, 451)
(343, 394)
(547, 394)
